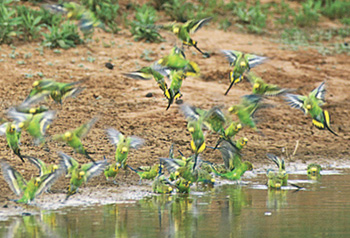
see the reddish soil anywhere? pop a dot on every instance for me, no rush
(121, 103)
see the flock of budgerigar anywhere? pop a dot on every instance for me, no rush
(182, 171)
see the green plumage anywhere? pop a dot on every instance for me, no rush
(241, 64)
(13, 134)
(149, 173)
(311, 105)
(281, 174)
(73, 138)
(259, 87)
(314, 170)
(80, 173)
(28, 189)
(245, 110)
(123, 145)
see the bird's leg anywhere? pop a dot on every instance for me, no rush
(231, 84)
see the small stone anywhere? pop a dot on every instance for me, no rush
(149, 95)
(109, 66)
(267, 213)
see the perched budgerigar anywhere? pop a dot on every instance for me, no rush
(161, 184)
(311, 104)
(80, 173)
(13, 134)
(35, 124)
(245, 110)
(241, 64)
(273, 180)
(123, 145)
(28, 189)
(184, 30)
(73, 138)
(313, 170)
(281, 174)
(264, 89)
(111, 171)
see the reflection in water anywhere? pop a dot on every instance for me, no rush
(225, 211)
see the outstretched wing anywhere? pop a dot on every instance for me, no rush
(68, 161)
(136, 142)
(190, 112)
(320, 92)
(193, 26)
(114, 136)
(255, 60)
(3, 128)
(276, 160)
(48, 180)
(231, 55)
(13, 178)
(46, 120)
(96, 169)
(83, 130)
(228, 152)
(296, 101)
(38, 163)
(170, 164)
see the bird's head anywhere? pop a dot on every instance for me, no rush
(243, 64)
(238, 127)
(170, 189)
(243, 141)
(32, 110)
(249, 165)
(177, 174)
(54, 168)
(36, 83)
(81, 174)
(124, 149)
(37, 182)
(256, 86)
(115, 167)
(184, 158)
(68, 135)
(212, 180)
(191, 129)
(21, 125)
(233, 109)
(13, 127)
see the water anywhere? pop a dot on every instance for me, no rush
(322, 210)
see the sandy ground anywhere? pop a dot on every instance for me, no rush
(121, 103)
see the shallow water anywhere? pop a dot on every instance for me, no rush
(322, 209)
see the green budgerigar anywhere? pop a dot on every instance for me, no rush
(311, 104)
(28, 189)
(161, 184)
(314, 170)
(241, 64)
(13, 134)
(273, 180)
(80, 173)
(147, 73)
(281, 174)
(232, 160)
(229, 133)
(42, 166)
(198, 140)
(112, 171)
(123, 145)
(147, 173)
(73, 138)
(184, 30)
(35, 124)
(264, 89)
(213, 119)
(173, 92)
(245, 110)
